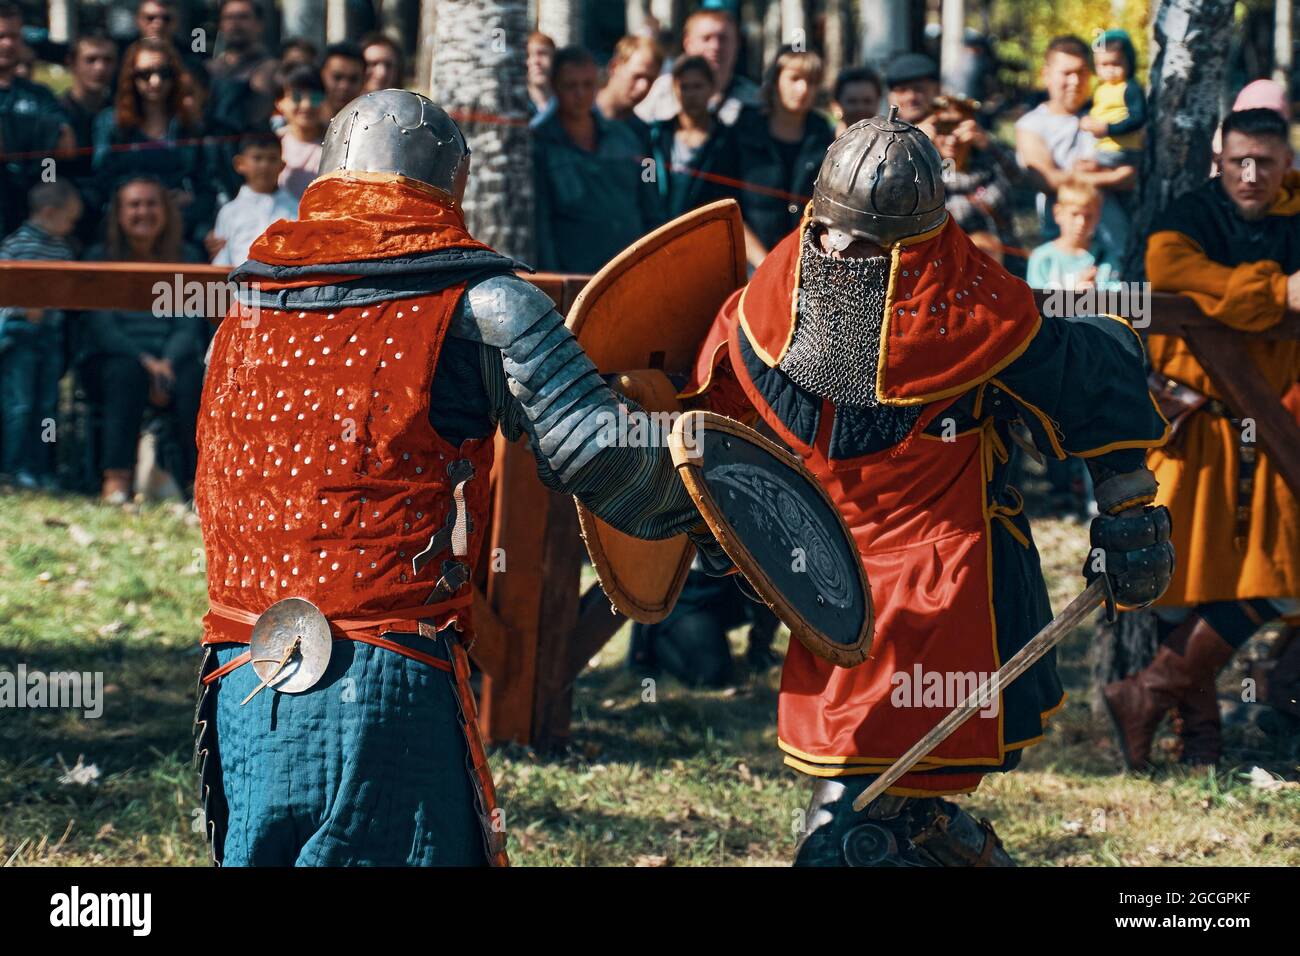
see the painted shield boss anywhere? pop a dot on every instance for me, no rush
(780, 528)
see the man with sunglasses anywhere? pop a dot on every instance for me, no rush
(160, 20)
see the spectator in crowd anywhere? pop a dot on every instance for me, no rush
(243, 76)
(541, 51)
(1053, 147)
(138, 359)
(26, 61)
(385, 64)
(782, 145)
(1119, 107)
(92, 61)
(713, 35)
(1073, 260)
(160, 20)
(913, 80)
(696, 157)
(1256, 95)
(302, 105)
(1232, 245)
(977, 181)
(630, 72)
(31, 124)
(858, 91)
(592, 200)
(31, 341)
(150, 131)
(261, 200)
(298, 52)
(343, 73)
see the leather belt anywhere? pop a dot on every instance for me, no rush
(1178, 402)
(363, 630)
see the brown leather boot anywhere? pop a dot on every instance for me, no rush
(116, 489)
(1201, 731)
(1181, 675)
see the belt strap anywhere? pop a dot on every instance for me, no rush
(345, 629)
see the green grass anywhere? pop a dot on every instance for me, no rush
(692, 778)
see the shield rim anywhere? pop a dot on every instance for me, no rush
(727, 210)
(613, 583)
(691, 473)
(589, 526)
(611, 574)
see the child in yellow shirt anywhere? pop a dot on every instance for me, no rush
(1119, 110)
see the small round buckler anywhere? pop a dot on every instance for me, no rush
(290, 645)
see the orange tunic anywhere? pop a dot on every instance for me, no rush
(1198, 474)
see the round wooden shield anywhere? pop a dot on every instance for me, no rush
(645, 314)
(781, 529)
(652, 305)
(642, 579)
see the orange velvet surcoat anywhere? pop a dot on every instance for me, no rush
(320, 475)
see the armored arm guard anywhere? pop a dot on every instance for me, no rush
(539, 380)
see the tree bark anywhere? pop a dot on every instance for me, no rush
(478, 75)
(1187, 71)
(303, 19)
(561, 20)
(886, 30)
(1190, 39)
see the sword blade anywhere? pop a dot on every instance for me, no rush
(1040, 644)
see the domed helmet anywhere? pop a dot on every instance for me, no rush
(396, 131)
(882, 181)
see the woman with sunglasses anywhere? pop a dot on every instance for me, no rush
(151, 130)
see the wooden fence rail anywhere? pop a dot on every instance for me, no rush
(534, 632)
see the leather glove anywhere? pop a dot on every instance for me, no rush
(713, 561)
(1133, 549)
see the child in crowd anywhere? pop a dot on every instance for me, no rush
(1072, 260)
(31, 342)
(259, 203)
(301, 104)
(1119, 108)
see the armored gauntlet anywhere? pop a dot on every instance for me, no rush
(1130, 539)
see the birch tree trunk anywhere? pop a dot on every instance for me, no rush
(303, 19)
(1187, 71)
(561, 20)
(479, 76)
(886, 30)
